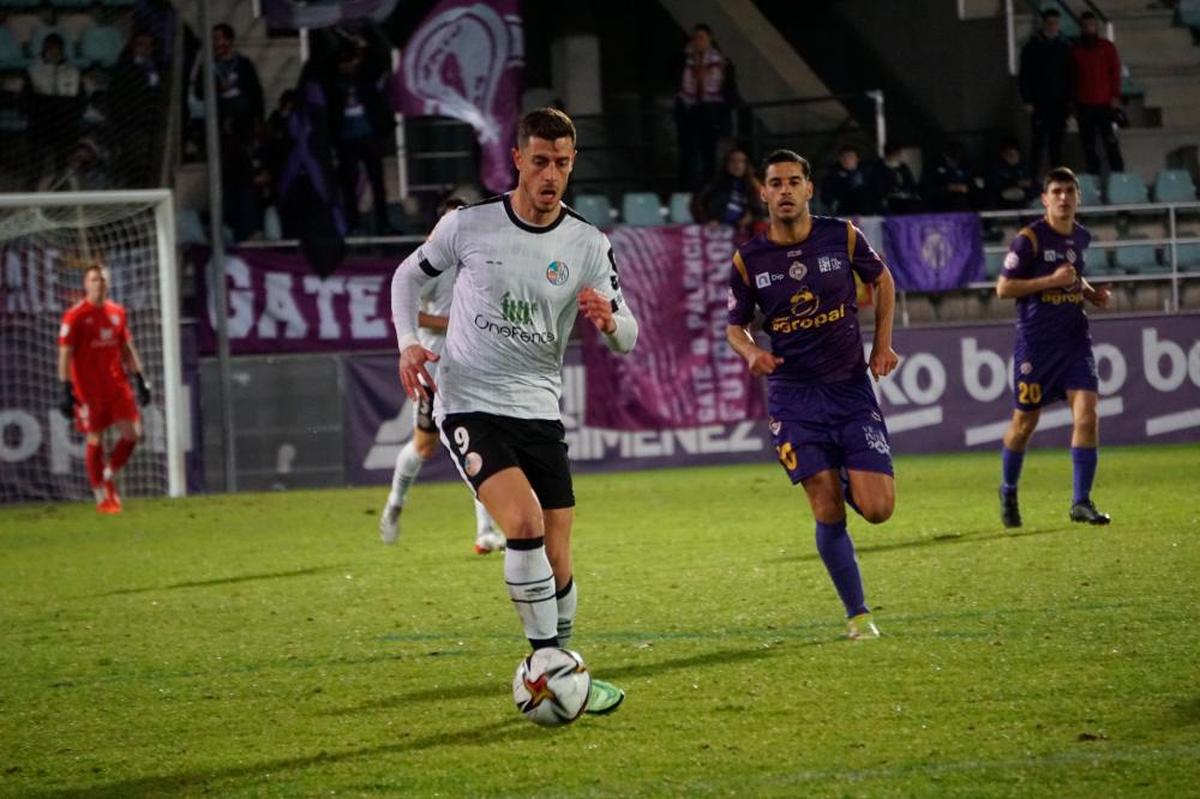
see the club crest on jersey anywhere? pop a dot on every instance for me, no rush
(116, 320)
(762, 280)
(1071, 256)
(775, 426)
(730, 300)
(1012, 261)
(472, 463)
(876, 440)
(1026, 367)
(557, 273)
(797, 270)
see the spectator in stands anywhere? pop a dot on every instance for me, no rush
(1010, 184)
(85, 170)
(734, 198)
(702, 107)
(893, 186)
(1097, 71)
(54, 97)
(949, 185)
(845, 191)
(239, 91)
(135, 103)
(1045, 84)
(362, 127)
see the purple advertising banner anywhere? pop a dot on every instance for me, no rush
(466, 60)
(277, 304)
(934, 252)
(951, 393)
(684, 373)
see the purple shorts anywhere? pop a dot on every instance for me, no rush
(828, 426)
(1044, 374)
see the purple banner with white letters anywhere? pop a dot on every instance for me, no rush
(952, 392)
(277, 304)
(934, 252)
(466, 60)
(683, 373)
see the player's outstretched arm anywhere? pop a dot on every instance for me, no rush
(1011, 288)
(883, 358)
(759, 360)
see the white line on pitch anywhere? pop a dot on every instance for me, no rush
(1059, 417)
(1157, 425)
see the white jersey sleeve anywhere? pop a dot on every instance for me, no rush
(608, 283)
(436, 255)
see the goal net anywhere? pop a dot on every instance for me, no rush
(47, 241)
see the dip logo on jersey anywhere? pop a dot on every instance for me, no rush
(514, 311)
(515, 314)
(557, 273)
(803, 313)
(876, 440)
(797, 271)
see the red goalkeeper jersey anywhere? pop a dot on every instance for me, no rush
(96, 335)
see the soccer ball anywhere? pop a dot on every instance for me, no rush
(551, 686)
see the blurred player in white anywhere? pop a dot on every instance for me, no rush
(436, 298)
(95, 348)
(528, 266)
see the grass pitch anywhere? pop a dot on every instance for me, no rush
(269, 645)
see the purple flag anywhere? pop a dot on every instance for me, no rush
(683, 373)
(934, 252)
(291, 14)
(467, 61)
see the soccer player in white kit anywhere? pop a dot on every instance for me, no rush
(436, 298)
(527, 267)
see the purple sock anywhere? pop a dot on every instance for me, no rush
(1084, 459)
(837, 551)
(1010, 469)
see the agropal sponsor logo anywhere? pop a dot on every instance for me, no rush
(804, 314)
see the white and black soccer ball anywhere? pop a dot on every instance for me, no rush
(551, 686)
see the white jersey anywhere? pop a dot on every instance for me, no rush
(514, 305)
(436, 298)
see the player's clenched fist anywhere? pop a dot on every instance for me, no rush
(762, 362)
(413, 374)
(1064, 276)
(597, 310)
(884, 360)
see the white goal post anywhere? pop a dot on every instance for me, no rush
(47, 240)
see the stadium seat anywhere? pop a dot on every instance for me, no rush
(73, 25)
(272, 225)
(1174, 186)
(188, 227)
(1187, 255)
(1125, 188)
(101, 46)
(1089, 190)
(1140, 259)
(641, 209)
(681, 208)
(993, 263)
(39, 36)
(23, 26)
(595, 208)
(13, 121)
(1189, 13)
(70, 3)
(11, 55)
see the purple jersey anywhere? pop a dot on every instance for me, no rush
(1054, 316)
(807, 293)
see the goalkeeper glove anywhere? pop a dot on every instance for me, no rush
(67, 404)
(143, 389)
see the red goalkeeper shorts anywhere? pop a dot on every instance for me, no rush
(98, 417)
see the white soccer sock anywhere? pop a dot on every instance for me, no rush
(567, 598)
(531, 587)
(408, 465)
(483, 520)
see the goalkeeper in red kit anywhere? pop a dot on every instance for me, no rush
(95, 349)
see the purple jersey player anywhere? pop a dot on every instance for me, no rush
(825, 420)
(1052, 359)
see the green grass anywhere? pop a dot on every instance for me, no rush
(269, 645)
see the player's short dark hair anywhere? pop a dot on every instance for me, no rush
(53, 38)
(788, 157)
(1059, 174)
(700, 26)
(94, 266)
(1087, 15)
(226, 30)
(1047, 13)
(849, 148)
(450, 203)
(891, 148)
(545, 123)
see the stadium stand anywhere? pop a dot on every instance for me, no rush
(641, 209)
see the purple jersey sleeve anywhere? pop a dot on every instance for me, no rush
(865, 262)
(741, 295)
(1021, 257)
